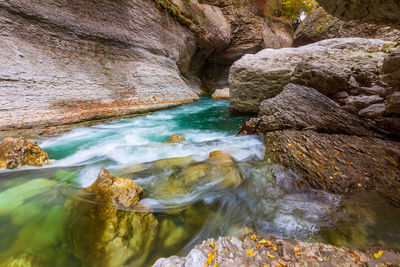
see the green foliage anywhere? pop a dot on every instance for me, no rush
(291, 9)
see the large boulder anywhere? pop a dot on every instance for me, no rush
(329, 66)
(319, 25)
(371, 11)
(338, 163)
(270, 251)
(17, 152)
(299, 107)
(110, 227)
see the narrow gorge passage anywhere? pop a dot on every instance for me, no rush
(37, 204)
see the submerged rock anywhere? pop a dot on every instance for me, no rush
(220, 167)
(22, 260)
(221, 94)
(176, 138)
(17, 152)
(269, 251)
(102, 231)
(173, 162)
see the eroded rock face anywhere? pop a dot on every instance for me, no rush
(329, 66)
(67, 61)
(299, 107)
(102, 231)
(231, 251)
(370, 11)
(17, 152)
(250, 32)
(337, 163)
(319, 25)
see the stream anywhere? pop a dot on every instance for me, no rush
(36, 224)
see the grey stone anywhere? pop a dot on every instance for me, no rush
(393, 103)
(326, 66)
(373, 111)
(363, 101)
(374, 90)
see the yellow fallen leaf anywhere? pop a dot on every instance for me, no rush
(215, 251)
(274, 248)
(330, 177)
(378, 254)
(271, 256)
(253, 237)
(355, 257)
(359, 185)
(226, 250)
(265, 264)
(250, 252)
(210, 258)
(299, 152)
(282, 264)
(262, 241)
(205, 264)
(212, 245)
(289, 145)
(297, 251)
(215, 265)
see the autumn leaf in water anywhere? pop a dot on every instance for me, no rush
(297, 251)
(250, 252)
(378, 254)
(210, 258)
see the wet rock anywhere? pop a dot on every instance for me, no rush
(299, 107)
(337, 163)
(329, 66)
(376, 12)
(220, 158)
(101, 230)
(171, 234)
(173, 162)
(115, 190)
(319, 25)
(17, 152)
(373, 111)
(176, 138)
(22, 260)
(220, 167)
(194, 173)
(393, 103)
(363, 101)
(340, 95)
(221, 94)
(231, 251)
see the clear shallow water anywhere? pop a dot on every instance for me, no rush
(35, 218)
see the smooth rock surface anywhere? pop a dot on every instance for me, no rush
(363, 101)
(221, 94)
(17, 152)
(328, 66)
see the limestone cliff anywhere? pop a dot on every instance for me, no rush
(65, 61)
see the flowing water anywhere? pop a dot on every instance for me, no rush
(38, 223)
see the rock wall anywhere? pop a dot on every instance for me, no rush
(66, 61)
(319, 25)
(251, 31)
(370, 11)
